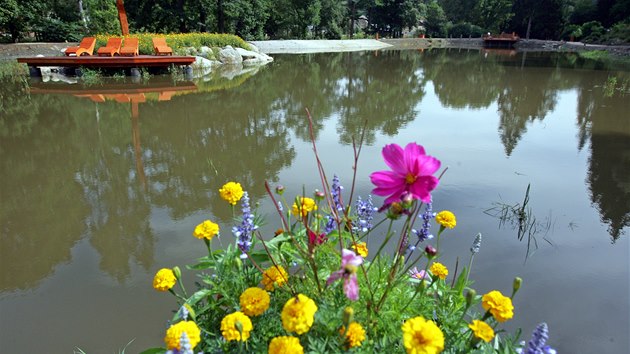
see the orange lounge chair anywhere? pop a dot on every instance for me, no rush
(85, 47)
(111, 48)
(130, 47)
(160, 47)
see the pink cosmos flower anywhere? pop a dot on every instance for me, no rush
(412, 172)
(349, 263)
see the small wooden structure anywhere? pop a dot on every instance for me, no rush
(504, 40)
(95, 62)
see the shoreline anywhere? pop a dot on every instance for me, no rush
(16, 50)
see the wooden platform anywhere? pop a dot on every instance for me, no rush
(504, 40)
(108, 62)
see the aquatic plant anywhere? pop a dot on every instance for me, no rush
(312, 288)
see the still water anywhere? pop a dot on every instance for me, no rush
(100, 187)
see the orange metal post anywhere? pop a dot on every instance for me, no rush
(122, 17)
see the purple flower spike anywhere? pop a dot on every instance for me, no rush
(245, 230)
(536, 344)
(365, 213)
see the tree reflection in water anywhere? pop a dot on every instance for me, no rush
(74, 174)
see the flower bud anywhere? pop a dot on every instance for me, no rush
(470, 297)
(395, 211)
(431, 251)
(407, 200)
(348, 316)
(280, 189)
(177, 272)
(319, 195)
(423, 284)
(516, 285)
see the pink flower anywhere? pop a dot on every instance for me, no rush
(315, 239)
(349, 263)
(419, 274)
(412, 172)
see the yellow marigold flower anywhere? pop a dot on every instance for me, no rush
(482, 330)
(298, 314)
(422, 337)
(206, 229)
(499, 306)
(360, 249)
(439, 270)
(254, 301)
(285, 345)
(231, 192)
(308, 205)
(230, 330)
(355, 335)
(446, 219)
(164, 279)
(174, 334)
(274, 277)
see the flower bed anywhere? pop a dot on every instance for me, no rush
(318, 287)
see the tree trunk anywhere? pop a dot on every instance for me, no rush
(529, 27)
(220, 17)
(82, 14)
(352, 9)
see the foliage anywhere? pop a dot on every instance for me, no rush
(465, 29)
(436, 20)
(179, 41)
(311, 294)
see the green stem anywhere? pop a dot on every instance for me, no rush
(388, 236)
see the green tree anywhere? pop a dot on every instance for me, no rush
(19, 17)
(101, 16)
(493, 15)
(436, 20)
(331, 24)
(543, 19)
(293, 18)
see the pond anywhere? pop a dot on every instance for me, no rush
(101, 187)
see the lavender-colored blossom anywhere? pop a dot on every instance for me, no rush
(244, 232)
(183, 313)
(476, 245)
(419, 274)
(335, 193)
(365, 213)
(184, 346)
(536, 344)
(424, 234)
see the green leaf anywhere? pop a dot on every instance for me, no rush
(196, 297)
(208, 264)
(461, 281)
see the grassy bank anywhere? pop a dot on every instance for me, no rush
(178, 42)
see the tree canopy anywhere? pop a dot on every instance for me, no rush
(60, 20)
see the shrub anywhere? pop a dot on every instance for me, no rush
(180, 41)
(313, 288)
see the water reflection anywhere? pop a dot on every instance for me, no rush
(82, 165)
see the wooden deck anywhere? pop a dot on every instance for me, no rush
(504, 40)
(108, 62)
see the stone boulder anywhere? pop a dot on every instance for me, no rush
(253, 58)
(230, 56)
